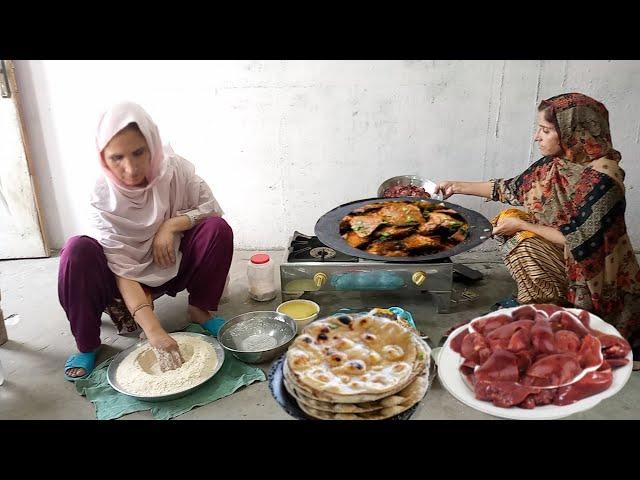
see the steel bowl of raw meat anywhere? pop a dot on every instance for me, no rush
(407, 186)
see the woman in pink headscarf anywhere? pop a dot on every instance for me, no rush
(156, 229)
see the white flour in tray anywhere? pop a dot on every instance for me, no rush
(140, 374)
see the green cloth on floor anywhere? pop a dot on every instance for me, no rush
(111, 404)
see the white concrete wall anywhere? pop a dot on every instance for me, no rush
(282, 142)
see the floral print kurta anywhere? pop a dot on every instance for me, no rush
(581, 193)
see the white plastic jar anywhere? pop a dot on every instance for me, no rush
(260, 273)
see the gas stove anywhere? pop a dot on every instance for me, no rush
(309, 267)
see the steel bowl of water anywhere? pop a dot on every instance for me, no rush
(257, 337)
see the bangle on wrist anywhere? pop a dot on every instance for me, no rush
(135, 310)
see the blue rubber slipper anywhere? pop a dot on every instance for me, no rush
(86, 360)
(506, 303)
(213, 325)
(402, 313)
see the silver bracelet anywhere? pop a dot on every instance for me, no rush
(494, 183)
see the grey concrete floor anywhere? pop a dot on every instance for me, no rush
(40, 342)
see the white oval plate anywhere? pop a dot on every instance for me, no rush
(451, 378)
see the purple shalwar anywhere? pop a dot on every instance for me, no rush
(86, 285)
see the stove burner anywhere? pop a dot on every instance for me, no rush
(322, 252)
(304, 248)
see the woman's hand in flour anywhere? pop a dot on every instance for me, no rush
(164, 245)
(162, 342)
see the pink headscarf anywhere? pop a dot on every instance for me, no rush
(114, 120)
(126, 219)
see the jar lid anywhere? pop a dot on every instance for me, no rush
(260, 258)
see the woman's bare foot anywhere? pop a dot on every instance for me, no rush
(197, 315)
(80, 364)
(76, 372)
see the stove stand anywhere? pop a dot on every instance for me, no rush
(299, 278)
(310, 267)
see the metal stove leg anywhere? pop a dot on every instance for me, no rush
(291, 296)
(443, 301)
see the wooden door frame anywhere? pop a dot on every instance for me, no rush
(15, 94)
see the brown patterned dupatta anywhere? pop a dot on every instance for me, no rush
(582, 194)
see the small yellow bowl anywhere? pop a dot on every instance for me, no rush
(302, 311)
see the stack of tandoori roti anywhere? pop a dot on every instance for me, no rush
(351, 367)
